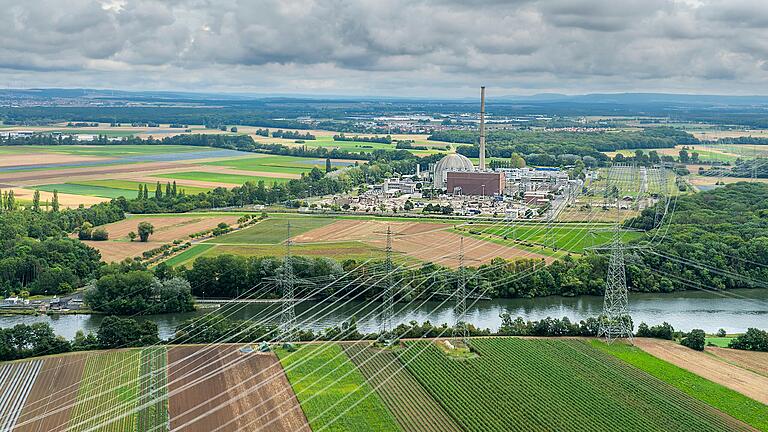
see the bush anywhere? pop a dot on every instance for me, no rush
(100, 235)
(694, 340)
(753, 340)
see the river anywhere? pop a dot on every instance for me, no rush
(734, 311)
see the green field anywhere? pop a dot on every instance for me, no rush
(721, 342)
(520, 384)
(726, 400)
(272, 230)
(153, 391)
(108, 390)
(191, 253)
(411, 405)
(134, 186)
(572, 238)
(275, 164)
(221, 178)
(87, 190)
(107, 132)
(115, 150)
(333, 394)
(338, 251)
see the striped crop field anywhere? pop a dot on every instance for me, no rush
(108, 393)
(333, 394)
(153, 396)
(543, 385)
(412, 406)
(16, 381)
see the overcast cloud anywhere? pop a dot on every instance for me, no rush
(397, 48)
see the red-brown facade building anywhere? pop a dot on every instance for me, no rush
(475, 183)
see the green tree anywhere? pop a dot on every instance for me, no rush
(55, 201)
(100, 234)
(115, 332)
(145, 229)
(328, 165)
(86, 231)
(168, 189)
(141, 192)
(36, 201)
(158, 191)
(132, 236)
(10, 201)
(516, 161)
(146, 192)
(173, 188)
(695, 340)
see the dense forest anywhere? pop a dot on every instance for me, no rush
(37, 256)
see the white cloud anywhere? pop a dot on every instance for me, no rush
(394, 47)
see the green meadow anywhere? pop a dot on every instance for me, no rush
(234, 179)
(134, 186)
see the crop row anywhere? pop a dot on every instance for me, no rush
(106, 400)
(333, 394)
(153, 396)
(411, 405)
(16, 380)
(543, 384)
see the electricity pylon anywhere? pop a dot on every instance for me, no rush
(460, 330)
(615, 321)
(388, 310)
(288, 281)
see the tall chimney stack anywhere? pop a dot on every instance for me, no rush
(482, 128)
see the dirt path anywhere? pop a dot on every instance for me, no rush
(710, 367)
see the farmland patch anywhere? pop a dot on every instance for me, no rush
(221, 177)
(16, 382)
(53, 394)
(220, 388)
(333, 393)
(539, 385)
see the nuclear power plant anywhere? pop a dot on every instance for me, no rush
(458, 176)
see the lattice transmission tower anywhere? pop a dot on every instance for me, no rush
(287, 282)
(387, 312)
(460, 330)
(615, 321)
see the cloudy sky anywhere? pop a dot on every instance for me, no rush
(443, 48)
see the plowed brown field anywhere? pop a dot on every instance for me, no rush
(751, 360)
(167, 228)
(208, 395)
(746, 382)
(52, 395)
(429, 242)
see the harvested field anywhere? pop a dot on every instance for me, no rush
(746, 382)
(250, 395)
(423, 241)
(751, 360)
(167, 228)
(119, 250)
(43, 158)
(16, 382)
(53, 395)
(412, 406)
(65, 200)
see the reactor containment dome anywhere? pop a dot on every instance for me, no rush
(454, 163)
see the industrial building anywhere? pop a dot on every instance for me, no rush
(475, 183)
